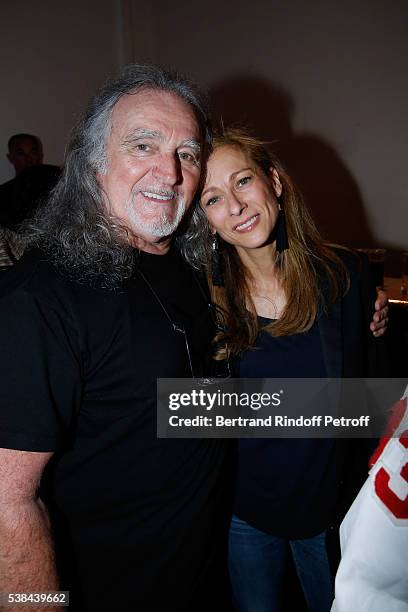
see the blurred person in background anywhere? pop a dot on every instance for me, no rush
(20, 196)
(24, 151)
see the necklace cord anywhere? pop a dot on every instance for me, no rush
(174, 325)
(215, 314)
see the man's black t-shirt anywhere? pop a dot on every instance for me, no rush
(145, 520)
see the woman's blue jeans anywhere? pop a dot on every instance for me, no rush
(257, 567)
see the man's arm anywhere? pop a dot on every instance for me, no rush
(379, 322)
(26, 548)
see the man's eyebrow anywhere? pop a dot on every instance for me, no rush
(192, 143)
(140, 133)
(147, 133)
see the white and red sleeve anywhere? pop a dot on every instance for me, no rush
(373, 572)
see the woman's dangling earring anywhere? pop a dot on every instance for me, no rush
(281, 233)
(216, 268)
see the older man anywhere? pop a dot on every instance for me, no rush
(88, 321)
(87, 325)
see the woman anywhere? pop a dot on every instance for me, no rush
(299, 302)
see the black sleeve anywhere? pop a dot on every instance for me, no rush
(365, 358)
(365, 355)
(40, 368)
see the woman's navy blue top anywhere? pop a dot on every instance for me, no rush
(285, 486)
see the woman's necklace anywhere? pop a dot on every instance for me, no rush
(272, 302)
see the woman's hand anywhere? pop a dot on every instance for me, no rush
(380, 318)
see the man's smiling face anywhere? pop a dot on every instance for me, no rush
(153, 164)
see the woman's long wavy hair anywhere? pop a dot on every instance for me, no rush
(74, 227)
(301, 269)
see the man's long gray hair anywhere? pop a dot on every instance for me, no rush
(74, 227)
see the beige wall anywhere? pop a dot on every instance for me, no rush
(327, 78)
(54, 54)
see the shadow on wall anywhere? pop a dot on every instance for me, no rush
(330, 190)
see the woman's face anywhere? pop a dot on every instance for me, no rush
(239, 200)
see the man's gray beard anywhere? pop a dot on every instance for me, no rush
(159, 228)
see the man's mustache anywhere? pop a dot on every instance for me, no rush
(161, 191)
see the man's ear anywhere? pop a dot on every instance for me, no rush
(275, 181)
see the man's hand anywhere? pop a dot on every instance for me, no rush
(380, 318)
